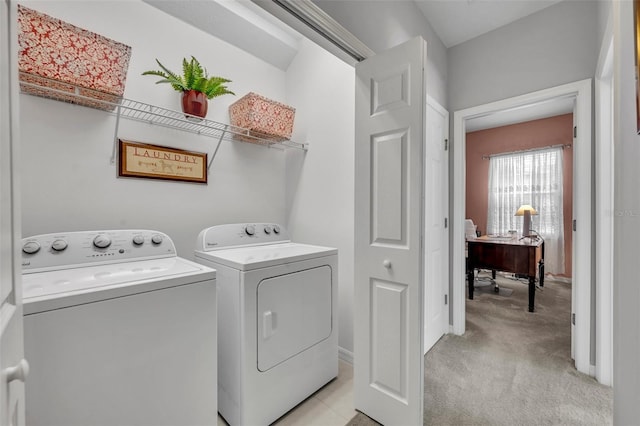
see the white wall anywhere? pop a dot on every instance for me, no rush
(68, 182)
(552, 47)
(385, 24)
(320, 183)
(626, 291)
(604, 13)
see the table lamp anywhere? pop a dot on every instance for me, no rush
(526, 210)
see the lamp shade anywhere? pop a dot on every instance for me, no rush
(525, 207)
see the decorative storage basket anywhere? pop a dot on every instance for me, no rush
(264, 118)
(83, 67)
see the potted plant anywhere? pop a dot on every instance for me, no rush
(195, 84)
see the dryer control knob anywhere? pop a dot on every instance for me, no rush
(59, 245)
(102, 241)
(250, 229)
(31, 247)
(276, 229)
(267, 230)
(157, 239)
(138, 240)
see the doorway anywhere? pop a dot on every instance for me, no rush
(582, 223)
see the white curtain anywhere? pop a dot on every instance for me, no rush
(535, 178)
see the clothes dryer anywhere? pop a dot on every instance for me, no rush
(118, 330)
(277, 319)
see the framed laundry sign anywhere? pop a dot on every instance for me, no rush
(159, 162)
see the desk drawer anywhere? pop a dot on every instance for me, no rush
(517, 259)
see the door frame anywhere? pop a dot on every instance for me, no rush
(604, 168)
(581, 91)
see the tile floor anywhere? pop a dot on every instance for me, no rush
(332, 405)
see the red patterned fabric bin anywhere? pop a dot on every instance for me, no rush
(263, 117)
(56, 55)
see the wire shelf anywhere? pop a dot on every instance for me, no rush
(140, 111)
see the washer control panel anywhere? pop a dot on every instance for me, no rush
(65, 250)
(240, 234)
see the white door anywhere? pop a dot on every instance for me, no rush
(582, 230)
(13, 367)
(436, 210)
(389, 182)
(582, 234)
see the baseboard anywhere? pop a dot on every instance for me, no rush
(563, 280)
(547, 277)
(345, 355)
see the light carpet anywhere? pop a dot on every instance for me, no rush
(511, 367)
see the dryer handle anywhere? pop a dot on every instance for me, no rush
(269, 324)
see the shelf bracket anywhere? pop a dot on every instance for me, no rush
(115, 136)
(215, 152)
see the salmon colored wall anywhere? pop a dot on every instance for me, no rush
(532, 134)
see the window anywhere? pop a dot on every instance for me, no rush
(535, 178)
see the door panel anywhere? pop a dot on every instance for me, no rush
(388, 316)
(388, 188)
(389, 348)
(390, 92)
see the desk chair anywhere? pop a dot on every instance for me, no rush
(471, 231)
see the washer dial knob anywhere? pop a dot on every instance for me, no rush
(138, 240)
(267, 230)
(31, 247)
(157, 239)
(102, 241)
(276, 229)
(250, 229)
(59, 245)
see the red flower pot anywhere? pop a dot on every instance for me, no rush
(194, 103)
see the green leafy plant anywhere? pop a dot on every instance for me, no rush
(193, 77)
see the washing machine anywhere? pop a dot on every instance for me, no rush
(118, 330)
(277, 319)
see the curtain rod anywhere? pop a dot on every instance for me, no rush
(563, 146)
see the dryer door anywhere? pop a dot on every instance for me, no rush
(294, 313)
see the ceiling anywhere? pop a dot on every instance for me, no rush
(249, 27)
(457, 21)
(240, 23)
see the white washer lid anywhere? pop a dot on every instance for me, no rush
(248, 258)
(56, 289)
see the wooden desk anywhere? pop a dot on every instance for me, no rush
(522, 257)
